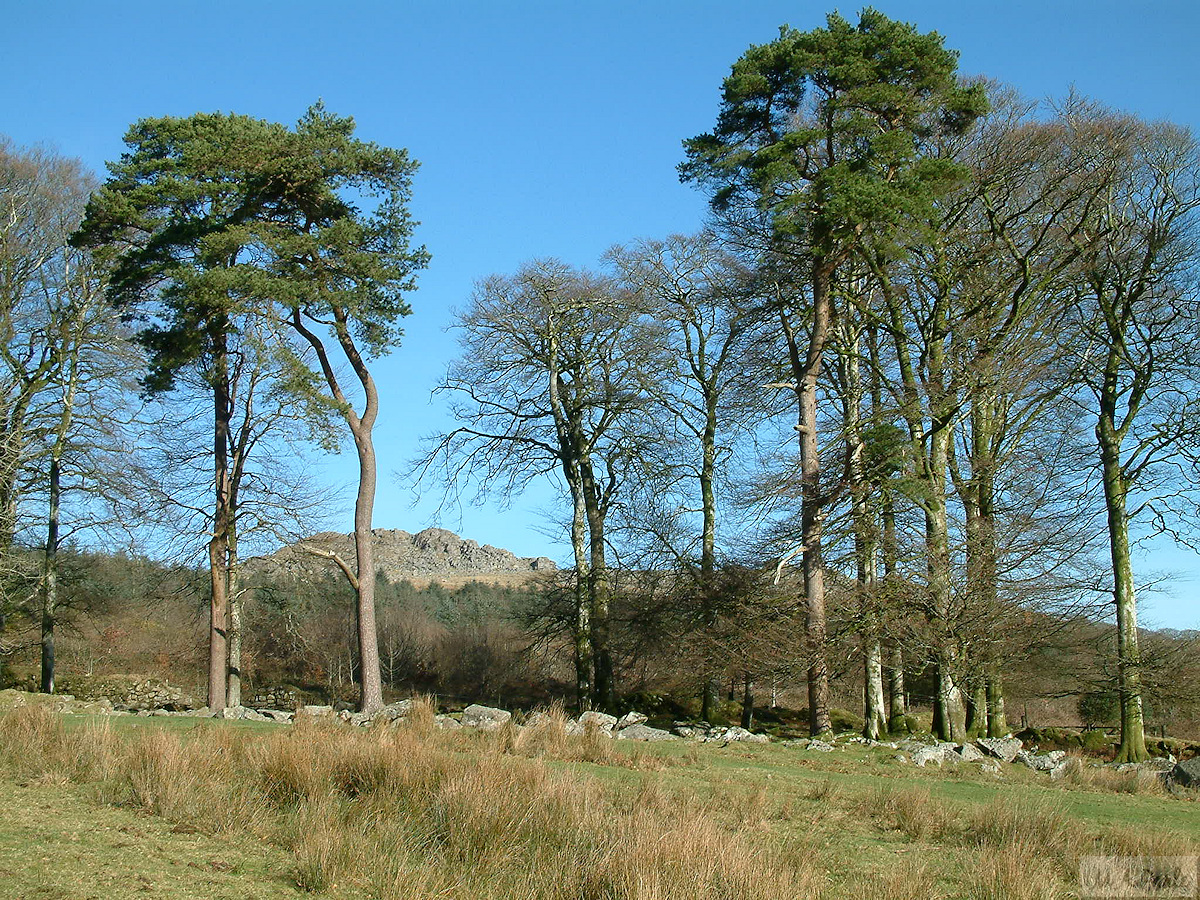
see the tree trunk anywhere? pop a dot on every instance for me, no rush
(50, 587)
(875, 716)
(583, 606)
(218, 649)
(233, 691)
(949, 714)
(997, 724)
(1129, 676)
(747, 701)
(605, 689)
(812, 500)
(368, 642)
(708, 559)
(977, 708)
(896, 720)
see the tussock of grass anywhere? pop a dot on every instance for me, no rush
(403, 812)
(409, 811)
(1104, 778)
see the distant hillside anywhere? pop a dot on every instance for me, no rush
(432, 555)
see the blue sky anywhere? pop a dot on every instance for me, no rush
(543, 129)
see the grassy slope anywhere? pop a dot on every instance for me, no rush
(55, 844)
(58, 840)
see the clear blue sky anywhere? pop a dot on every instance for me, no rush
(543, 129)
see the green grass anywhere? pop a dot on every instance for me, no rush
(57, 844)
(135, 807)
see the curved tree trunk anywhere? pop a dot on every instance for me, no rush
(364, 506)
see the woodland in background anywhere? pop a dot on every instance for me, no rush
(498, 644)
(888, 427)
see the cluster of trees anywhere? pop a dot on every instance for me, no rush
(226, 260)
(935, 342)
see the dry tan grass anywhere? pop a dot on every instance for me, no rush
(1083, 775)
(413, 812)
(912, 811)
(404, 812)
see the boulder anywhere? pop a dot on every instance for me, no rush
(744, 736)
(538, 719)
(925, 755)
(278, 715)
(485, 717)
(1187, 773)
(447, 723)
(811, 744)
(602, 721)
(1043, 762)
(631, 718)
(231, 712)
(315, 711)
(688, 730)
(969, 753)
(394, 711)
(640, 732)
(1004, 749)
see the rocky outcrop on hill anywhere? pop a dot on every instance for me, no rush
(431, 553)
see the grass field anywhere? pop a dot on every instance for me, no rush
(128, 807)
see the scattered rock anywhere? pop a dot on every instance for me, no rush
(743, 735)
(1043, 762)
(602, 721)
(537, 719)
(1187, 773)
(1004, 749)
(231, 712)
(486, 718)
(315, 711)
(630, 719)
(640, 732)
(394, 711)
(922, 756)
(969, 753)
(447, 723)
(817, 746)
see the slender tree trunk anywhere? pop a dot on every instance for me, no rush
(583, 606)
(218, 549)
(896, 719)
(50, 587)
(364, 506)
(1129, 676)
(875, 714)
(812, 501)
(599, 589)
(997, 723)
(233, 693)
(708, 561)
(747, 700)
